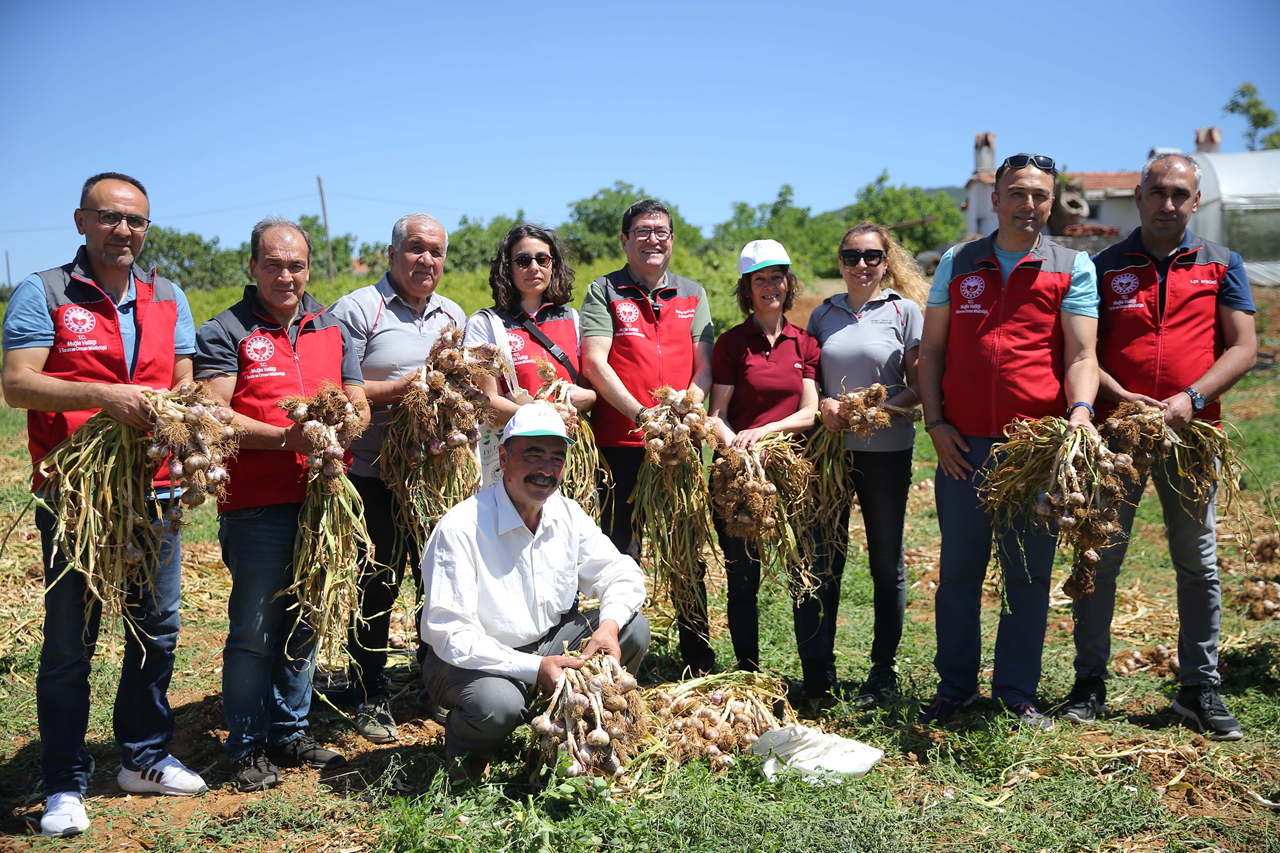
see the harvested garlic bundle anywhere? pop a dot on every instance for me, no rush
(675, 429)
(742, 494)
(326, 419)
(197, 435)
(596, 720)
(717, 715)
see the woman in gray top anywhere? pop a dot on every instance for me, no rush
(869, 334)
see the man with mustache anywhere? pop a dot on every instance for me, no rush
(503, 571)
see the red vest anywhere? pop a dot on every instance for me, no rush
(271, 368)
(87, 347)
(1004, 347)
(1152, 354)
(649, 349)
(560, 324)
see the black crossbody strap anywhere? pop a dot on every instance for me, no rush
(551, 346)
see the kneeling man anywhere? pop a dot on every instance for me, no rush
(502, 572)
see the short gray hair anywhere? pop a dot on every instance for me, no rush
(401, 229)
(1151, 164)
(265, 225)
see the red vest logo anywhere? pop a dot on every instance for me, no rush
(972, 287)
(259, 348)
(627, 311)
(1125, 283)
(516, 342)
(78, 320)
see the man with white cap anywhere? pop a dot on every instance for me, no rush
(503, 571)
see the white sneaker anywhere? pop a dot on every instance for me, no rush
(166, 776)
(64, 815)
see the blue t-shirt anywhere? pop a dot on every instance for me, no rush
(28, 323)
(1081, 297)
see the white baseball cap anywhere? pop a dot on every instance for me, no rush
(535, 419)
(762, 253)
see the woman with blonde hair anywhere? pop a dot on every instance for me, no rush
(869, 334)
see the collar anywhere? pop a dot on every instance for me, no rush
(310, 307)
(788, 330)
(987, 251)
(1133, 244)
(636, 280)
(389, 292)
(509, 517)
(80, 269)
(842, 299)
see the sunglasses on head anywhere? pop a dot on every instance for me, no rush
(1020, 161)
(523, 261)
(872, 257)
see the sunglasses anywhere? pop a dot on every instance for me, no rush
(111, 218)
(523, 261)
(872, 257)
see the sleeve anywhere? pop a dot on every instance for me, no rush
(450, 620)
(812, 357)
(595, 321)
(348, 314)
(725, 357)
(604, 572)
(940, 290)
(351, 372)
(479, 330)
(216, 353)
(1233, 292)
(913, 319)
(184, 332)
(1082, 295)
(704, 332)
(27, 321)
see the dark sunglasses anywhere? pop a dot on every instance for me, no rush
(523, 261)
(1020, 161)
(111, 218)
(850, 257)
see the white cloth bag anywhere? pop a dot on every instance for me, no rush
(814, 755)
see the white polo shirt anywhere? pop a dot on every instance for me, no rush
(493, 585)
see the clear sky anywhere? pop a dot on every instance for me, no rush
(227, 111)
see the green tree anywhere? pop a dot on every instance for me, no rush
(471, 244)
(596, 222)
(374, 256)
(194, 262)
(1246, 104)
(344, 246)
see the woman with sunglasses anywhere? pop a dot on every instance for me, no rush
(529, 321)
(763, 380)
(869, 334)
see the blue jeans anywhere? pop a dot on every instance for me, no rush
(267, 665)
(142, 719)
(882, 481)
(1026, 558)
(1193, 545)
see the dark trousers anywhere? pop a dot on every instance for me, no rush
(379, 586)
(694, 629)
(742, 588)
(141, 716)
(881, 480)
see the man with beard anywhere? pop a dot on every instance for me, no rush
(503, 571)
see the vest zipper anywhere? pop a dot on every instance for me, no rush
(995, 373)
(124, 356)
(297, 365)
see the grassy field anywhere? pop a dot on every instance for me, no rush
(1134, 781)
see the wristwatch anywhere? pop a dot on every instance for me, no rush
(1198, 401)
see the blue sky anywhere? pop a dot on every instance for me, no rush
(228, 111)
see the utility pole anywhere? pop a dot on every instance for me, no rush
(7, 275)
(328, 244)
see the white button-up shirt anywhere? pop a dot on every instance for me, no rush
(492, 584)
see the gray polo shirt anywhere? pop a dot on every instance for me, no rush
(390, 339)
(859, 349)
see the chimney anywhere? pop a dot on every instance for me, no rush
(984, 152)
(1208, 139)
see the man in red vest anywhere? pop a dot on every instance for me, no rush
(1009, 333)
(643, 327)
(93, 335)
(276, 342)
(1176, 331)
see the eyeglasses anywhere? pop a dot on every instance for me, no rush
(642, 234)
(523, 261)
(111, 218)
(1020, 161)
(850, 257)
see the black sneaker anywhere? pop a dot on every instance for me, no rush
(304, 751)
(254, 772)
(881, 686)
(1029, 716)
(943, 708)
(1086, 701)
(1205, 712)
(375, 723)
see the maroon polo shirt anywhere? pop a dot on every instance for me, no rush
(767, 380)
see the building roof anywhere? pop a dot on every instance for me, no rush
(1108, 183)
(988, 178)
